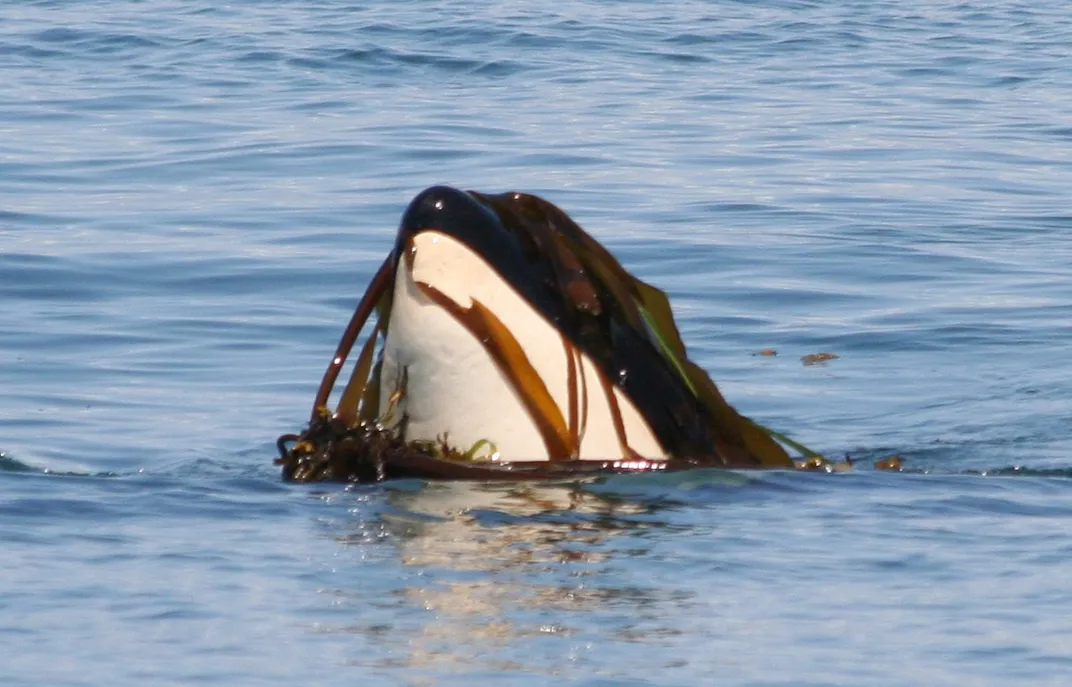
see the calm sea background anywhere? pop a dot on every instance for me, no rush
(193, 196)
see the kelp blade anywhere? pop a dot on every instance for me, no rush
(597, 301)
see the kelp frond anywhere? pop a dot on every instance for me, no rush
(359, 441)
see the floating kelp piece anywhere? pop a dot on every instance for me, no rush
(890, 463)
(509, 343)
(818, 358)
(823, 464)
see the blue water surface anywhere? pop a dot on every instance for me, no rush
(193, 196)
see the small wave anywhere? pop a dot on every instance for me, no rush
(1022, 471)
(9, 463)
(380, 57)
(95, 42)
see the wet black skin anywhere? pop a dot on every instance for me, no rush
(509, 231)
(461, 216)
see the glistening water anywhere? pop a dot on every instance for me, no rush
(193, 196)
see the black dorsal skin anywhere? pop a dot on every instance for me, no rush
(460, 215)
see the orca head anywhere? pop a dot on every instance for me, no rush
(511, 334)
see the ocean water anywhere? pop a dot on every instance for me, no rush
(193, 196)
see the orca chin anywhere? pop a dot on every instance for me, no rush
(509, 343)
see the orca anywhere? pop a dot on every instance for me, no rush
(509, 343)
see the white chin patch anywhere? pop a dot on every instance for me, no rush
(455, 390)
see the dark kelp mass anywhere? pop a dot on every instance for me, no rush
(614, 337)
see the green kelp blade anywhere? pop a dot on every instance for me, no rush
(665, 347)
(655, 305)
(655, 309)
(642, 307)
(735, 429)
(354, 392)
(369, 409)
(788, 441)
(747, 442)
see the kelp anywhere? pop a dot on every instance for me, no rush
(332, 450)
(624, 325)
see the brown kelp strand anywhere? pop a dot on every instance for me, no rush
(330, 450)
(620, 360)
(373, 296)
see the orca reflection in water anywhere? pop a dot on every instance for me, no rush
(509, 343)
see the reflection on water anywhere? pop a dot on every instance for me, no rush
(507, 577)
(646, 580)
